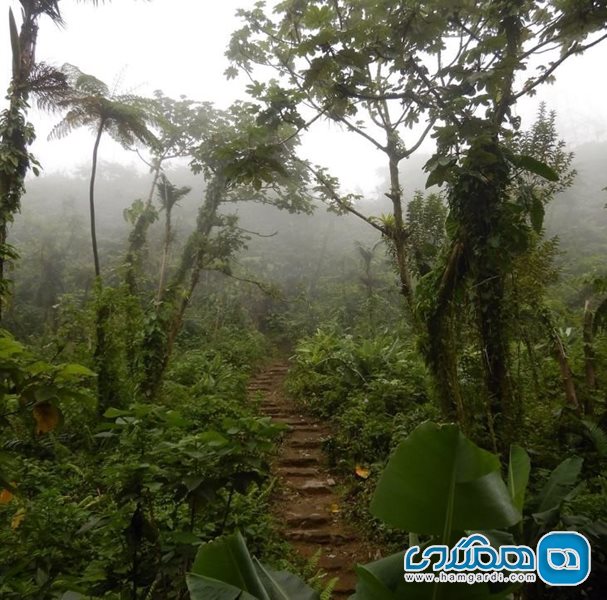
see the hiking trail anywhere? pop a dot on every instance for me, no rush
(307, 502)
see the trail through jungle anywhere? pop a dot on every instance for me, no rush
(307, 503)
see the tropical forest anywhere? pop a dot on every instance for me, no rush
(337, 332)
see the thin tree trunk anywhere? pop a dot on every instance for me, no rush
(399, 236)
(441, 354)
(92, 199)
(165, 253)
(566, 374)
(532, 363)
(138, 235)
(589, 357)
(192, 262)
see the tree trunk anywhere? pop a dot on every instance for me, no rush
(566, 374)
(399, 236)
(165, 253)
(495, 354)
(138, 236)
(13, 136)
(560, 355)
(159, 347)
(92, 199)
(441, 354)
(477, 202)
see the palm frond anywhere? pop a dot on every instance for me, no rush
(83, 83)
(125, 118)
(127, 125)
(74, 119)
(49, 8)
(48, 85)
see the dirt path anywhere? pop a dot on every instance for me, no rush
(307, 502)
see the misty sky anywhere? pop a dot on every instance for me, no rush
(178, 45)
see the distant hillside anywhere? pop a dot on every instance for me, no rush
(578, 215)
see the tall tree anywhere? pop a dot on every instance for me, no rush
(169, 195)
(29, 77)
(16, 134)
(492, 222)
(242, 158)
(457, 66)
(180, 126)
(125, 118)
(91, 104)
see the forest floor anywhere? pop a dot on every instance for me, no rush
(307, 501)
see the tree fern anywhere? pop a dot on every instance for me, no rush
(90, 104)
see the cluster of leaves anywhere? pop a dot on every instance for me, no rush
(438, 486)
(364, 385)
(117, 506)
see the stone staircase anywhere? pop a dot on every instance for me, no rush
(307, 502)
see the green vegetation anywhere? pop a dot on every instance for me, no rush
(453, 339)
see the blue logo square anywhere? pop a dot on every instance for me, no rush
(563, 558)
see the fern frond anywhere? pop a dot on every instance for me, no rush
(74, 119)
(83, 83)
(327, 592)
(49, 86)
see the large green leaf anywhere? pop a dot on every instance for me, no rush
(533, 165)
(224, 570)
(370, 586)
(559, 484)
(438, 482)
(519, 467)
(227, 560)
(205, 588)
(282, 585)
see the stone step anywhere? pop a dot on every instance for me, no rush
(308, 444)
(314, 488)
(306, 426)
(307, 521)
(298, 461)
(298, 420)
(298, 472)
(319, 536)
